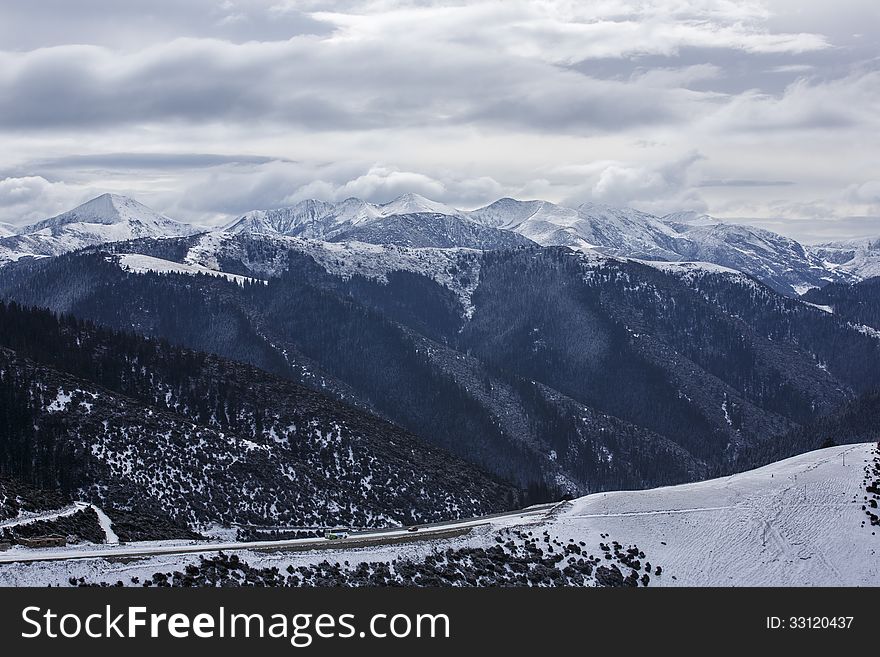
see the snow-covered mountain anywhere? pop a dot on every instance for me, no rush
(417, 222)
(113, 210)
(858, 259)
(107, 218)
(613, 231)
(7, 230)
(413, 204)
(409, 220)
(778, 261)
(322, 220)
(282, 221)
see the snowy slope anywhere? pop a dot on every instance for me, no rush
(103, 520)
(798, 522)
(127, 216)
(614, 231)
(780, 262)
(776, 260)
(7, 230)
(139, 264)
(284, 221)
(610, 230)
(456, 269)
(409, 220)
(855, 259)
(431, 230)
(414, 203)
(319, 219)
(628, 232)
(107, 218)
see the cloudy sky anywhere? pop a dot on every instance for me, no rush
(759, 111)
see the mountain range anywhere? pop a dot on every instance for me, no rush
(541, 350)
(417, 222)
(546, 366)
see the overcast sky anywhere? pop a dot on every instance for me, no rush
(760, 111)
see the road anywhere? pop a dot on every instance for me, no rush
(371, 538)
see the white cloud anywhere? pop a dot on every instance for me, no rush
(866, 192)
(567, 32)
(30, 198)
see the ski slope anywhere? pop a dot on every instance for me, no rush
(798, 522)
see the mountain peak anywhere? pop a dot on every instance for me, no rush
(109, 203)
(106, 209)
(123, 214)
(411, 203)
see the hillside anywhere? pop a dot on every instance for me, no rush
(806, 521)
(856, 259)
(140, 426)
(858, 304)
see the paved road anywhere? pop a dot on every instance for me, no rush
(371, 538)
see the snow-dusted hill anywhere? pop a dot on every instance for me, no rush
(798, 522)
(7, 230)
(413, 204)
(107, 218)
(112, 210)
(778, 261)
(852, 259)
(267, 256)
(139, 264)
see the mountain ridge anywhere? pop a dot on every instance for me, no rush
(411, 220)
